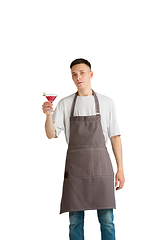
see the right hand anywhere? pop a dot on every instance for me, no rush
(47, 106)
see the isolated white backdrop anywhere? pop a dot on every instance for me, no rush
(38, 41)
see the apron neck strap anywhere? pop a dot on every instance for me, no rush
(96, 103)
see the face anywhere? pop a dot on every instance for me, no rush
(81, 76)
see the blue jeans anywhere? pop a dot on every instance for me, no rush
(105, 217)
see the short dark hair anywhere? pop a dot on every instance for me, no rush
(79, 61)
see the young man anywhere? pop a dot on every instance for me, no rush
(88, 119)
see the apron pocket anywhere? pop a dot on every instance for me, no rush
(105, 162)
(88, 162)
(79, 163)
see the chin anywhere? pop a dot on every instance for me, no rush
(81, 86)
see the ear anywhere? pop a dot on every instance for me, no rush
(91, 74)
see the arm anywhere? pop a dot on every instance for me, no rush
(49, 127)
(117, 150)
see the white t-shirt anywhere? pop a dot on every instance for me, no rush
(85, 106)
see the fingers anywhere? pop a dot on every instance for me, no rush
(121, 184)
(46, 107)
(120, 180)
(116, 184)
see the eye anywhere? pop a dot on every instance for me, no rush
(82, 72)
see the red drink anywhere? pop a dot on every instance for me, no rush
(51, 98)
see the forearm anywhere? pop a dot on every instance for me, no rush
(117, 150)
(49, 127)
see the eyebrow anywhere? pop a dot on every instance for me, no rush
(79, 70)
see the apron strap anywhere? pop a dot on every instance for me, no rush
(96, 103)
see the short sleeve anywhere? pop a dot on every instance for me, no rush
(113, 128)
(58, 118)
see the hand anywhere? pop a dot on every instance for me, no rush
(120, 178)
(47, 106)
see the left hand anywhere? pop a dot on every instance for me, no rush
(119, 178)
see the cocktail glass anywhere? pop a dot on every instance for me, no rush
(50, 97)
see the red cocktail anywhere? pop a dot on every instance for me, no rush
(50, 97)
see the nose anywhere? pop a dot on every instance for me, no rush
(78, 76)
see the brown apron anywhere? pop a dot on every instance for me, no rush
(89, 177)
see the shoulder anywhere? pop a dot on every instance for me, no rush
(105, 100)
(66, 101)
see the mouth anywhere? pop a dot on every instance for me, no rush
(79, 83)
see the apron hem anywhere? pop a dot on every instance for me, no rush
(75, 210)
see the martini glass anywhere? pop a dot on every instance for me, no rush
(51, 97)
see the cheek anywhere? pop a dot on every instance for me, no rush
(74, 80)
(86, 78)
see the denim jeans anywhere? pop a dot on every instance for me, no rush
(105, 217)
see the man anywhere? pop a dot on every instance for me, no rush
(88, 119)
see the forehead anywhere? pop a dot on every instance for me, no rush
(79, 67)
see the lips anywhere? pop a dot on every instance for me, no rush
(79, 82)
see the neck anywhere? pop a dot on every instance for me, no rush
(85, 92)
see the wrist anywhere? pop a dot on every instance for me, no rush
(48, 116)
(120, 169)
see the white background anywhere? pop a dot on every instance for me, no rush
(39, 40)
